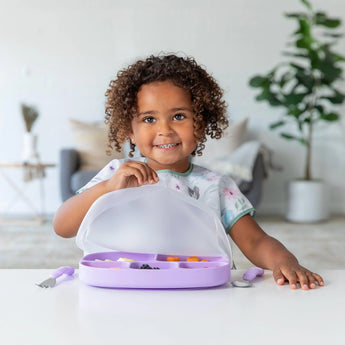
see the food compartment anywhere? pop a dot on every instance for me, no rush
(191, 258)
(119, 256)
(200, 265)
(106, 264)
(153, 265)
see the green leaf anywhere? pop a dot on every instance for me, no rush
(332, 23)
(329, 68)
(304, 43)
(336, 98)
(307, 4)
(257, 81)
(305, 80)
(296, 112)
(286, 77)
(338, 57)
(298, 15)
(320, 18)
(288, 136)
(277, 124)
(264, 95)
(298, 67)
(295, 98)
(298, 55)
(328, 34)
(273, 100)
(302, 141)
(293, 137)
(319, 108)
(330, 117)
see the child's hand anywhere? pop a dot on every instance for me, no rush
(294, 274)
(132, 174)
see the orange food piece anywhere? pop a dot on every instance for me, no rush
(173, 258)
(205, 260)
(193, 259)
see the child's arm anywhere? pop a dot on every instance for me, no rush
(69, 216)
(266, 252)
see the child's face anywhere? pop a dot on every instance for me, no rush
(163, 129)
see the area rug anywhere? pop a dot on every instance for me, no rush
(317, 246)
(36, 246)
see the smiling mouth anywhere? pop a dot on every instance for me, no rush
(166, 146)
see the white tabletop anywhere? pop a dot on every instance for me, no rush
(73, 313)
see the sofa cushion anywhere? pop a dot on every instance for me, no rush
(216, 149)
(81, 178)
(91, 142)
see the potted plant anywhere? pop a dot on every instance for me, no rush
(305, 86)
(30, 115)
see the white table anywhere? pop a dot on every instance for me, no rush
(73, 313)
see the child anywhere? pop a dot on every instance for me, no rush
(166, 105)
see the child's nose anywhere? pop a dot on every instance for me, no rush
(165, 128)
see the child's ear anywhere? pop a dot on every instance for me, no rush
(131, 137)
(200, 131)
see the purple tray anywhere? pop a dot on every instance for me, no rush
(104, 270)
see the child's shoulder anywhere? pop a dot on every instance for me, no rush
(199, 170)
(211, 177)
(208, 174)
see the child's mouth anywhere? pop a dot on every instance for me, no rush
(167, 146)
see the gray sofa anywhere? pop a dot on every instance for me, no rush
(71, 178)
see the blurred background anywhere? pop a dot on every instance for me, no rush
(60, 56)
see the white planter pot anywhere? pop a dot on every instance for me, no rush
(307, 201)
(30, 154)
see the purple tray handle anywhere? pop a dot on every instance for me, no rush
(252, 273)
(62, 270)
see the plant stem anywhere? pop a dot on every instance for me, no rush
(307, 174)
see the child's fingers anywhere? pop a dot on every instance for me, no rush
(155, 176)
(152, 176)
(141, 171)
(287, 275)
(137, 173)
(304, 277)
(291, 276)
(314, 279)
(278, 277)
(319, 279)
(136, 169)
(306, 280)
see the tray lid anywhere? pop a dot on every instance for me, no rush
(152, 219)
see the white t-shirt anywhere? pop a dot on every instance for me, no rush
(218, 192)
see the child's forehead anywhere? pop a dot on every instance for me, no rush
(162, 89)
(155, 97)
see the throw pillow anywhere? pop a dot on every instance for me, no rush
(216, 150)
(91, 143)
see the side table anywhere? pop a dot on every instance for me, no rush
(31, 172)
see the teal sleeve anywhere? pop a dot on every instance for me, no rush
(250, 211)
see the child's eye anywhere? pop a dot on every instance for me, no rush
(179, 117)
(149, 119)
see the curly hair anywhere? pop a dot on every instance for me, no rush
(208, 106)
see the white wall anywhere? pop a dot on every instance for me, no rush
(61, 55)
